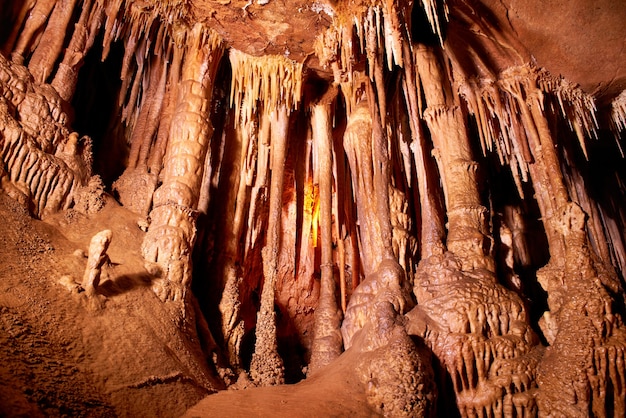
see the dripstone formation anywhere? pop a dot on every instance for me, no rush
(382, 208)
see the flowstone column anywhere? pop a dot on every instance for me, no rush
(467, 230)
(478, 330)
(267, 366)
(170, 239)
(327, 344)
(582, 370)
(271, 84)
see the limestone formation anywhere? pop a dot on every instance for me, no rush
(421, 204)
(328, 343)
(172, 233)
(96, 259)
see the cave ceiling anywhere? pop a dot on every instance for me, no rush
(583, 40)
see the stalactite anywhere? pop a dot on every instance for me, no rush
(82, 40)
(432, 229)
(22, 13)
(47, 52)
(171, 236)
(270, 80)
(36, 19)
(343, 224)
(327, 343)
(618, 114)
(157, 152)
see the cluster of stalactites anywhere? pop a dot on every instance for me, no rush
(155, 38)
(270, 80)
(379, 27)
(499, 106)
(124, 18)
(618, 113)
(40, 27)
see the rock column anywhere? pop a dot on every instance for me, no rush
(169, 242)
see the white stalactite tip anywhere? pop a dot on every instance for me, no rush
(272, 80)
(619, 111)
(494, 104)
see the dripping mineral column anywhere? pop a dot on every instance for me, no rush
(327, 343)
(238, 197)
(83, 37)
(267, 366)
(171, 237)
(50, 45)
(432, 226)
(467, 228)
(372, 201)
(545, 170)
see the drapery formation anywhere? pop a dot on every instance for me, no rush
(378, 180)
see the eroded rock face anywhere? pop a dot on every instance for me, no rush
(480, 333)
(397, 373)
(42, 157)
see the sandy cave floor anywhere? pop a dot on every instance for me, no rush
(123, 353)
(66, 355)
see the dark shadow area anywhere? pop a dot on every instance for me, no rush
(421, 29)
(124, 284)
(96, 112)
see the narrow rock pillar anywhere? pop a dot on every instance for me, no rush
(327, 343)
(267, 366)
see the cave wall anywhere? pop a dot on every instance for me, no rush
(422, 168)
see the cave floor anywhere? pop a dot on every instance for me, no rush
(119, 353)
(122, 352)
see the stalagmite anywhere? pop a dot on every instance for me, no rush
(574, 375)
(172, 234)
(37, 148)
(529, 91)
(267, 366)
(96, 260)
(327, 344)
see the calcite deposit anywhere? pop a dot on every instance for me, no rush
(312, 208)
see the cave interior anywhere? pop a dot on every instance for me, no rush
(312, 208)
